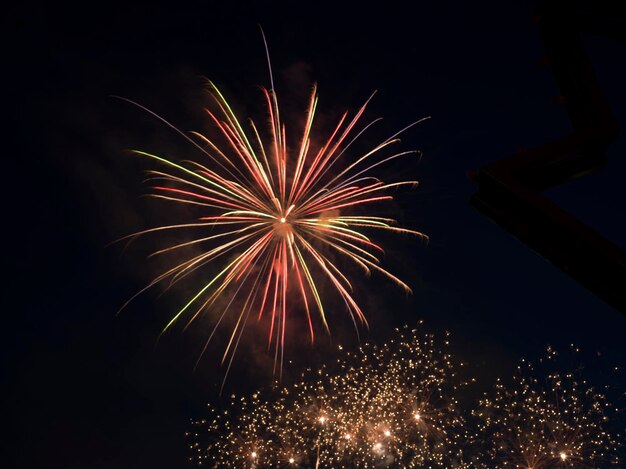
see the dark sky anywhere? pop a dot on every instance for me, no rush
(89, 389)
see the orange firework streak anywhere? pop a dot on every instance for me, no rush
(274, 214)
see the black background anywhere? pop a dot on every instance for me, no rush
(89, 389)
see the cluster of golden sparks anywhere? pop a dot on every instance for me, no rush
(556, 421)
(396, 406)
(383, 406)
(278, 217)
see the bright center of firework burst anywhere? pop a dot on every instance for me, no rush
(283, 228)
(563, 456)
(417, 416)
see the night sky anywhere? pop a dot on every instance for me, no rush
(91, 389)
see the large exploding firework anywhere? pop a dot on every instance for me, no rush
(556, 421)
(389, 406)
(277, 218)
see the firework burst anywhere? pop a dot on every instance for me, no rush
(389, 406)
(275, 216)
(397, 406)
(557, 422)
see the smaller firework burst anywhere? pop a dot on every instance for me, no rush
(389, 406)
(559, 421)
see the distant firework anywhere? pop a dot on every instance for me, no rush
(398, 406)
(390, 406)
(559, 421)
(275, 217)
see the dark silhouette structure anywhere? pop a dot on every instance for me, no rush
(509, 190)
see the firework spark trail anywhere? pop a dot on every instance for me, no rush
(277, 217)
(397, 406)
(556, 422)
(389, 406)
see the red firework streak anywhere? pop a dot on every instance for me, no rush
(275, 216)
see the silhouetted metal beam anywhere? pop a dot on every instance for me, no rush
(509, 189)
